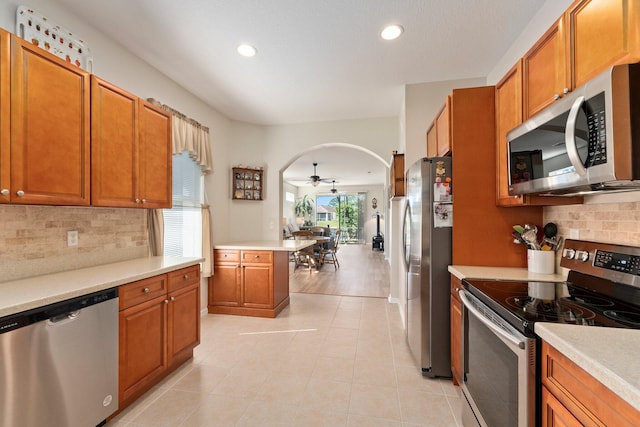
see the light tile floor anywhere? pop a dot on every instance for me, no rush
(324, 361)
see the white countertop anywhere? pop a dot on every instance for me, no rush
(504, 273)
(267, 245)
(610, 355)
(34, 292)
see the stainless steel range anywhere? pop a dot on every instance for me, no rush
(500, 349)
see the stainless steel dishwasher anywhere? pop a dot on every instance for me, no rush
(59, 363)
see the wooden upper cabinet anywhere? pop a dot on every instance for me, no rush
(131, 150)
(443, 129)
(50, 128)
(603, 33)
(5, 117)
(432, 143)
(545, 71)
(396, 175)
(114, 136)
(508, 116)
(591, 36)
(155, 156)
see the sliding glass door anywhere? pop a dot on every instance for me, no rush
(343, 211)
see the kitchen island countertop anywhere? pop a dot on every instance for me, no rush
(25, 294)
(267, 245)
(610, 355)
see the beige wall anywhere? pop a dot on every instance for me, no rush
(33, 239)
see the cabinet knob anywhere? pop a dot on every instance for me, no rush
(173, 298)
(186, 277)
(565, 90)
(166, 301)
(20, 193)
(144, 200)
(257, 256)
(137, 200)
(556, 96)
(145, 290)
(4, 192)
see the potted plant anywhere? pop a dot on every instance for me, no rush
(304, 208)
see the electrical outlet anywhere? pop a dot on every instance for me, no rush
(72, 238)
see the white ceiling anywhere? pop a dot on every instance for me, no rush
(318, 60)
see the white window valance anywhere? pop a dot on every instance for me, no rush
(189, 135)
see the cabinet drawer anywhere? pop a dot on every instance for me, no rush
(257, 257)
(184, 277)
(142, 290)
(455, 284)
(226, 255)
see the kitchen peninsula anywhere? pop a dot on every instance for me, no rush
(252, 278)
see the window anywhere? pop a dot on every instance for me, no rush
(183, 222)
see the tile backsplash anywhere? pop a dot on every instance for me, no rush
(33, 239)
(607, 222)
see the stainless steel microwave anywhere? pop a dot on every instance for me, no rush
(586, 142)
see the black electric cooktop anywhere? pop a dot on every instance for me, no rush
(602, 289)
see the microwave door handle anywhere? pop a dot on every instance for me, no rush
(488, 323)
(570, 137)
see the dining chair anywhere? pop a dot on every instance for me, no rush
(331, 252)
(304, 257)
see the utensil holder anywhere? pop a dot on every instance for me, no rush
(541, 261)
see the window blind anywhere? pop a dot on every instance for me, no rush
(183, 222)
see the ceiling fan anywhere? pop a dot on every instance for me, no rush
(315, 179)
(334, 190)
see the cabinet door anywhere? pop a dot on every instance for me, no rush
(545, 70)
(456, 331)
(508, 116)
(432, 143)
(155, 156)
(443, 129)
(396, 178)
(603, 33)
(143, 345)
(50, 128)
(257, 286)
(224, 286)
(114, 171)
(554, 414)
(183, 320)
(5, 117)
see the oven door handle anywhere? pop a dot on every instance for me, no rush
(488, 323)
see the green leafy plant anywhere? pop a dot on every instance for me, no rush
(304, 206)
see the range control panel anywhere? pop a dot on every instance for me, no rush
(617, 262)
(614, 262)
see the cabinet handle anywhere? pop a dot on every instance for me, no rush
(4, 192)
(556, 96)
(20, 193)
(145, 290)
(173, 298)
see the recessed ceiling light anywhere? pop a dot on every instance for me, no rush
(247, 50)
(391, 32)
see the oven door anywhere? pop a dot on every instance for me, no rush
(499, 369)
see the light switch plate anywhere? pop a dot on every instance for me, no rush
(72, 238)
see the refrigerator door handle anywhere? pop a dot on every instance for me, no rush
(406, 221)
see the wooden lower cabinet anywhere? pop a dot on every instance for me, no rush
(572, 397)
(249, 282)
(159, 328)
(456, 331)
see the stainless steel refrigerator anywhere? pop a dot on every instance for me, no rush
(428, 221)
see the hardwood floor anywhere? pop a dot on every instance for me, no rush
(363, 272)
